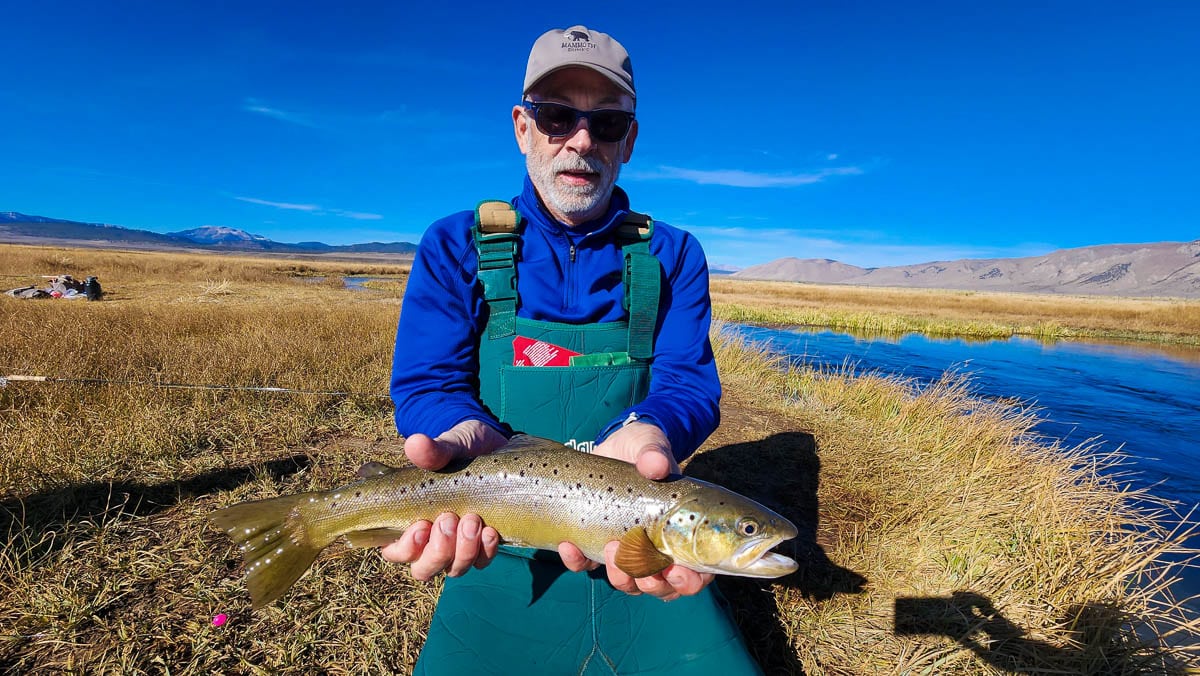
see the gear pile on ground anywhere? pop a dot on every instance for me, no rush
(61, 286)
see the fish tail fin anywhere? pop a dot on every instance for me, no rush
(276, 546)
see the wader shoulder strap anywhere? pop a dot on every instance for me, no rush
(642, 279)
(497, 236)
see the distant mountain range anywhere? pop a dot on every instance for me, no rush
(24, 229)
(1170, 269)
(1165, 269)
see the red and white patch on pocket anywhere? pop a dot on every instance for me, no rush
(530, 352)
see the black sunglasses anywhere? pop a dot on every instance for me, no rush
(555, 119)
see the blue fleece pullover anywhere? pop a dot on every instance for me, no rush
(570, 275)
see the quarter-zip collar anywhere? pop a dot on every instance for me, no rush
(530, 206)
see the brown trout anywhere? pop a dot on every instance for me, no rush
(535, 493)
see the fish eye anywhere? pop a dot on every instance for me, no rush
(747, 527)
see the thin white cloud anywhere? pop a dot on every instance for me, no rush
(313, 209)
(737, 178)
(253, 106)
(281, 205)
(357, 215)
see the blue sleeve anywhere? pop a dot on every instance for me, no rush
(685, 391)
(434, 383)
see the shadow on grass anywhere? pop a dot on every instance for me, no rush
(782, 472)
(40, 514)
(1100, 631)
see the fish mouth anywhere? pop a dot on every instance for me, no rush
(755, 559)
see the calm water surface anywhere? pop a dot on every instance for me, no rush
(1142, 399)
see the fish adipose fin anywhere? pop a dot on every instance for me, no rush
(274, 544)
(371, 469)
(637, 555)
(374, 537)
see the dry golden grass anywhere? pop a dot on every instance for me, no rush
(963, 313)
(1002, 554)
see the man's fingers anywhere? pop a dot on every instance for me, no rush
(617, 577)
(655, 585)
(439, 552)
(574, 558)
(654, 462)
(426, 452)
(410, 545)
(468, 545)
(490, 541)
(686, 581)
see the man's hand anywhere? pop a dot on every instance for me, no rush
(647, 447)
(454, 545)
(644, 445)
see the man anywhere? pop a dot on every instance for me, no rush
(630, 296)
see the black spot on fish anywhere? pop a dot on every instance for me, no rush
(674, 495)
(556, 472)
(691, 517)
(358, 494)
(637, 521)
(610, 489)
(403, 491)
(522, 472)
(629, 489)
(578, 485)
(467, 473)
(591, 476)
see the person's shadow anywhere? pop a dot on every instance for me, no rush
(783, 473)
(972, 620)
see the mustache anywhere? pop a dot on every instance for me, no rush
(577, 163)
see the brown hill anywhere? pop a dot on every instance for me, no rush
(1158, 269)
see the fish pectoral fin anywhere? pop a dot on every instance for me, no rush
(374, 537)
(637, 555)
(371, 469)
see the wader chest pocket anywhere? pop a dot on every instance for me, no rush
(570, 402)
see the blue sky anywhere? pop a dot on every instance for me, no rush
(871, 133)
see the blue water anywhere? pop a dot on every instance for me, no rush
(1141, 399)
(1145, 401)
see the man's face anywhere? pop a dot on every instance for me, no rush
(574, 174)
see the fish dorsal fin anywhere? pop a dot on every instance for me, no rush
(637, 555)
(371, 469)
(375, 537)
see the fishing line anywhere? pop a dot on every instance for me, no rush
(5, 380)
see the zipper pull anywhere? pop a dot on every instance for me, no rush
(572, 251)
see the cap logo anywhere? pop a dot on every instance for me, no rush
(577, 41)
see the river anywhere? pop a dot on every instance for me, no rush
(1144, 400)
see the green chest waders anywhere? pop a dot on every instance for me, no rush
(526, 613)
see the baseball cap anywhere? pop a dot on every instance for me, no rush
(579, 46)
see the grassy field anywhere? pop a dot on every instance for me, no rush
(937, 534)
(957, 313)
